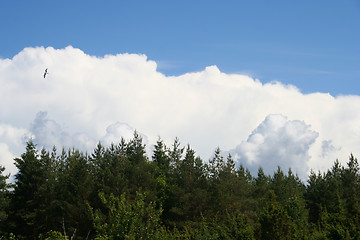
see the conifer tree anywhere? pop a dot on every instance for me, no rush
(160, 157)
(76, 187)
(4, 198)
(275, 223)
(26, 202)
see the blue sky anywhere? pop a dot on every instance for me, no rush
(314, 45)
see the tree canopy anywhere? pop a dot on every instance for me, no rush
(118, 192)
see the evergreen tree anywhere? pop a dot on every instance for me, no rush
(4, 198)
(109, 169)
(161, 160)
(275, 223)
(350, 186)
(139, 172)
(216, 163)
(26, 201)
(314, 196)
(189, 189)
(75, 189)
(228, 190)
(48, 211)
(171, 185)
(175, 154)
(135, 150)
(261, 186)
(160, 157)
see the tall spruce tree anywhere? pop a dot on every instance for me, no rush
(75, 189)
(160, 157)
(26, 200)
(275, 223)
(4, 198)
(139, 172)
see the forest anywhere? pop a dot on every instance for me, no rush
(118, 192)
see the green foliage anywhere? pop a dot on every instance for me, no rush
(9, 236)
(118, 193)
(160, 157)
(26, 200)
(53, 235)
(332, 200)
(228, 226)
(76, 186)
(275, 223)
(4, 196)
(127, 220)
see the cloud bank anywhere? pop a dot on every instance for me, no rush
(85, 99)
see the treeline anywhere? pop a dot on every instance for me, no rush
(117, 192)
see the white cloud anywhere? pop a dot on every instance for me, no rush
(278, 141)
(118, 130)
(12, 141)
(89, 98)
(48, 133)
(6, 158)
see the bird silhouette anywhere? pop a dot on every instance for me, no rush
(46, 72)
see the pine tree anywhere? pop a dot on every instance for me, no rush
(275, 223)
(26, 201)
(109, 168)
(160, 157)
(350, 186)
(175, 154)
(139, 172)
(189, 189)
(4, 198)
(48, 211)
(216, 163)
(261, 185)
(75, 190)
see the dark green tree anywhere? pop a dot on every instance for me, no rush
(48, 211)
(4, 198)
(351, 187)
(139, 172)
(275, 223)
(25, 204)
(175, 155)
(160, 157)
(161, 161)
(261, 185)
(75, 189)
(109, 168)
(169, 187)
(216, 164)
(135, 150)
(189, 189)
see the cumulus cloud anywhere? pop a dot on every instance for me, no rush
(12, 140)
(118, 130)
(48, 133)
(278, 141)
(5, 157)
(85, 99)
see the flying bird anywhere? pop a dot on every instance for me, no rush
(46, 72)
